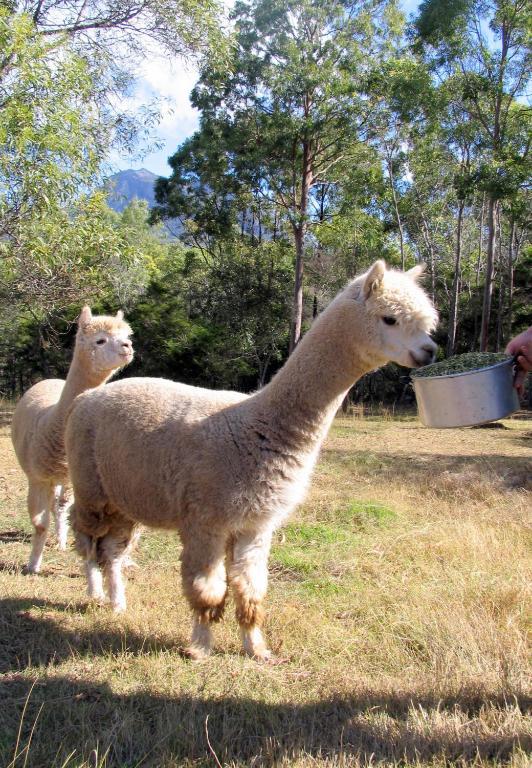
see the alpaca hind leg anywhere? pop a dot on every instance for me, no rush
(87, 547)
(63, 500)
(114, 548)
(128, 562)
(40, 501)
(248, 578)
(94, 580)
(205, 586)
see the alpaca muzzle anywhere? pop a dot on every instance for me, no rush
(425, 355)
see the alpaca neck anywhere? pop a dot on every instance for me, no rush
(80, 378)
(302, 399)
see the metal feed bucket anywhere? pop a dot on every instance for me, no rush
(468, 398)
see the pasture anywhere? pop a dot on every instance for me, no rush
(397, 609)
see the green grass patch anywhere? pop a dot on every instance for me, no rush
(156, 546)
(295, 562)
(314, 534)
(396, 648)
(335, 462)
(308, 555)
(365, 514)
(322, 587)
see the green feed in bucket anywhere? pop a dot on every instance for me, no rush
(470, 361)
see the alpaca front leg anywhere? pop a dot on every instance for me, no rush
(63, 500)
(40, 501)
(248, 577)
(205, 586)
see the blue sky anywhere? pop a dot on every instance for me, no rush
(172, 81)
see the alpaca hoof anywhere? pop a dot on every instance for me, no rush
(130, 564)
(258, 652)
(98, 601)
(98, 598)
(119, 609)
(262, 654)
(30, 570)
(196, 653)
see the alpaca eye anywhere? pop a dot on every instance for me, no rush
(390, 320)
(101, 341)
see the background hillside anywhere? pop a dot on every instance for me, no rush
(125, 186)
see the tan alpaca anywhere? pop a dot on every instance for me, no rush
(102, 347)
(224, 469)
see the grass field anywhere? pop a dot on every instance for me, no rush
(397, 602)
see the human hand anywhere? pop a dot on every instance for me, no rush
(521, 347)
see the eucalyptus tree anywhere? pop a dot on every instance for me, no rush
(63, 63)
(108, 27)
(50, 149)
(483, 45)
(288, 114)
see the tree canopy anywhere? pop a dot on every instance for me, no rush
(331, 134)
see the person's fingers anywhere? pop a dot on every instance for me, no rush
(520, 380)
(524, 361)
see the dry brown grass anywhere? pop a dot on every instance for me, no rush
(398, 600)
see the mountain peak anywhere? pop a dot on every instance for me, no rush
(125, 186)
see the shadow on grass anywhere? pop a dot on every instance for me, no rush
(144, 728)
(14, 537)
(27, 634)
(511, 472)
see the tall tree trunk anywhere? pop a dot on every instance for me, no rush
(396, 208)
(488, 279)
(432, 260)
(453, 310)
(300, 229)
(297, 303)
(479, 262)
(480, 237)
(501, 274)
(510, 281)
(492, 203)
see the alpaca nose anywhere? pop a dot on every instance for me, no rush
(126, 344)
(430, 350)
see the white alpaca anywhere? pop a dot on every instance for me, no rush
(225, 469)
(102, 347)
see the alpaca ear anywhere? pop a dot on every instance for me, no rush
(374, 278)
(119, 315)
(416, 271)
(85, 316)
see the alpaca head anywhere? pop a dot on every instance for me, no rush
(103, 343)
(398, 316)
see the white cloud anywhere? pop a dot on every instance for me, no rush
(170, 82)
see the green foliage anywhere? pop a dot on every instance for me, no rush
(80, 253)
(325, 143)
(442, 21)
(220, 322)
(48, 143)
(86, 253)
(282, 123)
